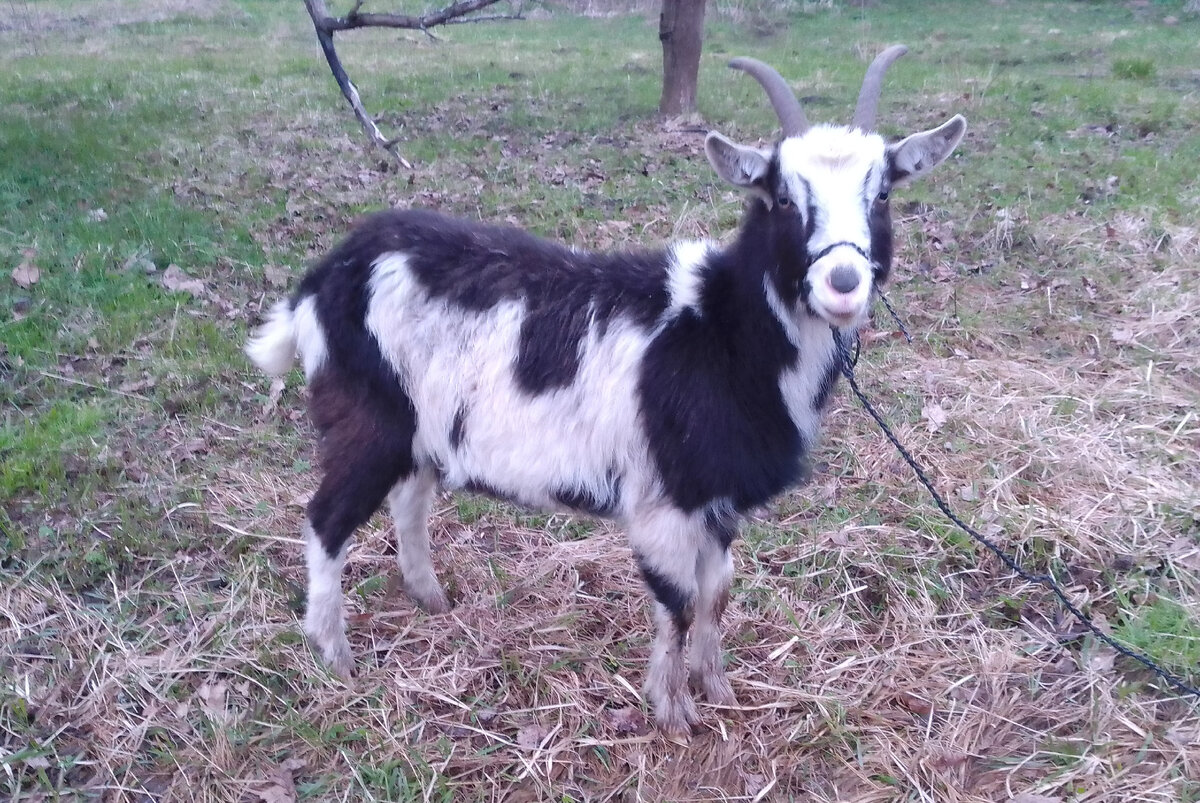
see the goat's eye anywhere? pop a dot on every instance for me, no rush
(785, 201)
(882, 198)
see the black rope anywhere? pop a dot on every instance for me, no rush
(847, 364)
(895, 318)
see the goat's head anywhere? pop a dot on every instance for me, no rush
(821, 194)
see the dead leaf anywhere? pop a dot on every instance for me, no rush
(935, 414)
(212, 700)
(26, 274)
(1030, 797)
(189, 449)
(97, 215)
(281, 788)
(840, 538)
(277, 276)
(1100, 660)
(1184, 736)
(277, 385)
(530, 736)
(968, 493)
(136, 386)
(139, 261)
(1123, 336)
(627, 720)
(921, 708)
(1184, 551)
(175, 280)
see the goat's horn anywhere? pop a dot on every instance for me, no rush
(791, 115)
(868, 98)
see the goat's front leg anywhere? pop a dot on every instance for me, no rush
(714, 575)
(665, 543)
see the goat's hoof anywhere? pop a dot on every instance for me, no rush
(338, 658)
(432, 602)
(716, 689)
(677, 717)
(342, 664)
(436, 605)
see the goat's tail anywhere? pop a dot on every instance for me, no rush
(273, 346)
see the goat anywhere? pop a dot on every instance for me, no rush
(671, 390)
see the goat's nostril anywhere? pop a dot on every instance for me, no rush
(843, 278)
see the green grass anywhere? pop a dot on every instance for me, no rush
(1166, 631)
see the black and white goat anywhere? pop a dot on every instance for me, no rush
(671, 390)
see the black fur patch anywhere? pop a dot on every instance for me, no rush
(487, 489)
(586, 501)
(477, 266)
(709, 386)
(672, 597)
(456, 428)
(366, 447)
(879, 221)
(722, 527)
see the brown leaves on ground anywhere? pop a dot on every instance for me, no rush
(177, 281)
(26, 273)
(281, 786)
(935, 415)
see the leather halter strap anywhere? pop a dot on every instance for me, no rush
(844, 244)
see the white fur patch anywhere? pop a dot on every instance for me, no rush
(453, 359)
(684, 274)
(310, 337)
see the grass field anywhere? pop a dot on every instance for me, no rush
(169, 168)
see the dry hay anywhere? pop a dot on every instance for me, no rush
(871, 660)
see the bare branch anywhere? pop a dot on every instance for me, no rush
(355, 19)
(326, 25)
(493, 18)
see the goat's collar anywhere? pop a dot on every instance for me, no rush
(844, 244)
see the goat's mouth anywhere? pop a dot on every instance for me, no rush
(840, 294)
(842, 319)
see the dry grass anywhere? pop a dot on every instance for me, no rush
(877, 656)
(871, 658)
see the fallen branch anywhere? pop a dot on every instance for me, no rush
(326, 25)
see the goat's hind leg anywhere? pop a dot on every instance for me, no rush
(359, 471)
(411, 500)
(348, 495)
(324, 620)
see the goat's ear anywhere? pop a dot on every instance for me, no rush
(740, 165)
(914, 156)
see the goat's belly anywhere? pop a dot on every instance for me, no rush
(554, 472)
(579, 447)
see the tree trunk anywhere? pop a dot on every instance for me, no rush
(681, 31)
